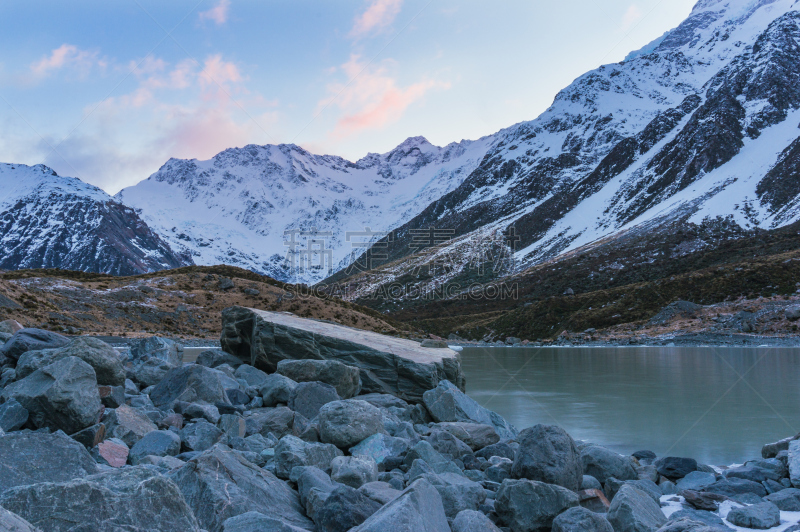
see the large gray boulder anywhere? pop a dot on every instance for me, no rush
(200, 435)
(418, 508)
(11, 522)
(280, 421)
(160, 348)
(528, 505)
(354, 471)
(257, 522)
(348, 422)
(579, 519)
(794, 462)
(602, 464)
(787, 500)
(102, 357)
(343, 509)
(457, 492)
(548, 454)
(191, 383)
(633, 510)
(277, 389)
(25, 340)
(387, 365)
(217, 357)
(62, 395)
(150, 371)
(476, 435)
(346, 379)
(128, 424)
(308, 397)
(314, 486)
(33, 457)
(379, 447)
(135, 499)
(293, 452)
(761, 516)
(219, 484)
(155, 443)
(674, 467)
(447, 403)
(473, 521)
(12, 415)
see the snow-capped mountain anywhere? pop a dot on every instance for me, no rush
(699, 125)
(50, 221)
(241, 207)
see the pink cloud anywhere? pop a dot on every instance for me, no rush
(218, 13)
(66, 55)
(379, 15)
(372, 99)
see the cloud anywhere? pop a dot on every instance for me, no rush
(66, 56)
(631, 17)
(218, 13)
(372, 99)
(379, 15)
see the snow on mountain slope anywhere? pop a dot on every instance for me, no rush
(701, 124)
(50, 221)
(236, 208)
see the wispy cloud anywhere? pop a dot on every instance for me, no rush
(379, 15)
(633, 15)
(66, 56)
(373, 98)
(218, 13)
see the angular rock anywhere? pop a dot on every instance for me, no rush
(191, 383)
(280, 421)
(498, 449)
(277, 389)
(696, 480)
(457, 492)
(90, 436)
(12, 415)
(252, 376)
(699, 518)
(308, 397)
(237, 396)
(703, 500)
(759, 516)
(111, 396)
(473, 521)
(447, 444)
(25, 340)
(476, 435)
(771, 450)
(314, 486)
(418, 508)
(602, 464)
(219, 484)
(528, 505)
(102, 357)
(293, 452)
(135, 499)
(447, 403)
(787, 500)
(11, 522)
(590, 483)
(353, 471)
(388, 365)
(675, 468)
(424, 452)
(62, 395)
(10, 326)
(33, 457)
(255, 521)
(199, 435)
(633, 510)
(344, 509)
(381, 492)
(112, 452)
(594, 500)
(232, 425)
(156, 443)
(379, 447)
(191, 411)
(580, 519)
(127, 424)
(548, 454)
(755, 472)
(348, 422)
(217, 357)
(794, 463)
(731, 487)
(159, 348)
(346, 379)
(151, 371)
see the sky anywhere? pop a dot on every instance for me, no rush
(108, 91)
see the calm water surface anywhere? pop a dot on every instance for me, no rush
(718, 405)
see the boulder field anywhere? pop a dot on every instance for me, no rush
(250, 439)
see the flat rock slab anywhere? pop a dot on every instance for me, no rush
(388, 365)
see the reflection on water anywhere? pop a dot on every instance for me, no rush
(718, 405)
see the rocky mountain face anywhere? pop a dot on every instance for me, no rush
(50, 221)
(701, 126)
(243, 206)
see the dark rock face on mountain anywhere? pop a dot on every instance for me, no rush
(49, 221)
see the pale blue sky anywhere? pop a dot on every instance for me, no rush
(107, 91)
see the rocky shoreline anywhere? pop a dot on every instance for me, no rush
(92, 438)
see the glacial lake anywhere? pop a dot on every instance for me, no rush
(717, 405)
